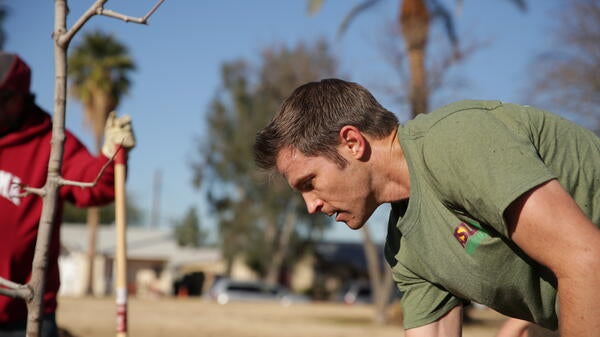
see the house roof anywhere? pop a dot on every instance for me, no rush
(142, 243)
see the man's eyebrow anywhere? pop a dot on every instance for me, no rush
(299, 181)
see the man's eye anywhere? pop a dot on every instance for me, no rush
(307, 185)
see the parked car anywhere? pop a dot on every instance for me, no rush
(358, 292)
(226, 290)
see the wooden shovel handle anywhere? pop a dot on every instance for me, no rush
(121, 242)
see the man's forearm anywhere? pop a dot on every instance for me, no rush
(579, 305)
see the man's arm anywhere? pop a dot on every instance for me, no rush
(551, 228)
(80, 165)
(449, 325)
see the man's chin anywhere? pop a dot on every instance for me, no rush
(356, 222)
(354, 225)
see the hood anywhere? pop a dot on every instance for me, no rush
(38, 122)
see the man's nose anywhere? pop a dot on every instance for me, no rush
(313, 204)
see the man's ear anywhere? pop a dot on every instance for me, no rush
(353, 141)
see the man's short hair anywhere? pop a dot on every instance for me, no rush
(310, 119)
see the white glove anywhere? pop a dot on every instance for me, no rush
(117, 131)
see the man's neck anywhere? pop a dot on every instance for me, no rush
(390, 174)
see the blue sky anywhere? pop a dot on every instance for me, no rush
(180, 52)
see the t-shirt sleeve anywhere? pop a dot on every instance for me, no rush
(479, 165)
(422, 302)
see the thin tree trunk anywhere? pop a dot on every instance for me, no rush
(93, 220)
(93, 216)
(33, 291)
(418, 82)
(229, 260)
(379, 288)
(282, 248)
(270, 234)
(50, 200)
(414, 24)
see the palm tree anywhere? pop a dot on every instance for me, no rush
(98, 69)
(414, 20)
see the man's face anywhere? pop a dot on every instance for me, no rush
(328, 188)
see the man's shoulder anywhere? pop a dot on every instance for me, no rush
(455, 109)
(425, 122)
(468, 104)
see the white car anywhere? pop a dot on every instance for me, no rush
(226, 290)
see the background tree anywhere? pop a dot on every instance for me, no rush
(99, 69)
(414, 20)
(567, 77)
(256, 220)
(187, 230)
(73, 214)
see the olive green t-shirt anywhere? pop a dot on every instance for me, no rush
(468, 162)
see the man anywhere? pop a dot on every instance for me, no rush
(25, 134)
(490, 202)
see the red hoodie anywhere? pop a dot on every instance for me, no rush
(24, 158)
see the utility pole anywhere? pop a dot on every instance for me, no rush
(156, 193)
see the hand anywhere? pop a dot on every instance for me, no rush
(117, 131)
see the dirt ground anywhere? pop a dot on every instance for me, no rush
(95, 317)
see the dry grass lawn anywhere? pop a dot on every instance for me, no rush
(95, 317)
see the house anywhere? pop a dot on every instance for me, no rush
(329, 267)
(337, 264)
(156, 264)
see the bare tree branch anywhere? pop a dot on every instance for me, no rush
(13, 293)
(15, 290)
(66, 182)
(98, 9)
(126, 18)
(32, 190)
(8, 284)
(565, 77)
(64, 38)
(152, 10)
(143, 20)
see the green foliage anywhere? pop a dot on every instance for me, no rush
(72, 214)
(251, 208)
(187, 230)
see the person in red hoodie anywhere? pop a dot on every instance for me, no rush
(25, 135)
